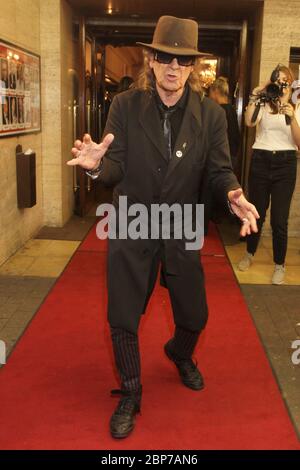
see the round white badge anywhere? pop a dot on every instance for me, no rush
(179, 154)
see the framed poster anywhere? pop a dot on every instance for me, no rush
(20, 88)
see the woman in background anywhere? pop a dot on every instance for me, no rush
(273, 167)
(219, 92)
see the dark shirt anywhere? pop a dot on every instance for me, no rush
(233, 129)
(177, 116)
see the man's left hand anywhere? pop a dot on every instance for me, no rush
(245, 211)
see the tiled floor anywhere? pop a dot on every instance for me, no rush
(45, 258)
(262, 268)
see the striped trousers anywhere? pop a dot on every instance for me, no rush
(127, 354)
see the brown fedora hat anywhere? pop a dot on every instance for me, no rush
(175, 36)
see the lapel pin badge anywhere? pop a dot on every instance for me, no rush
(179, 154)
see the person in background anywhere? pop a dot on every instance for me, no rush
(14, 110)
(5, 112)
(12, 78)
(20, 76)
(219, 92)
(125, 83)
(273, 168)
(21, 110)
(4, 73)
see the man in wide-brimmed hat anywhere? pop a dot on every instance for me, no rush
(160, 139)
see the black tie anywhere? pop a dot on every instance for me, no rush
(166, 113)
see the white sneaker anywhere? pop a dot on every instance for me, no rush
(278, 275)
(245, 262)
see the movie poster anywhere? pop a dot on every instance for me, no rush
(20, 111)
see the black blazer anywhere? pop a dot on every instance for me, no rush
(137, 161)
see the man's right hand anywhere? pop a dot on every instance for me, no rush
(88, 154)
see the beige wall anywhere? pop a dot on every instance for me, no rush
(43, 27)
(51, 110)
(17, 226)
(57, 92)
(68, 93)
(281, 31)
(278, 29)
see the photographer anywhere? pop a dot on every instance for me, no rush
(273, 166)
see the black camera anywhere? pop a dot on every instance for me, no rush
(271, 94)
(274, 90)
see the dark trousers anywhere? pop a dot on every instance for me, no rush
(133, 266)
(187, 295)
(272, 177)
(127, 354)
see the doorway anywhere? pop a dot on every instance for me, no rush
(112, 54)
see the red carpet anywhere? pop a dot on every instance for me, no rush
(54, 390)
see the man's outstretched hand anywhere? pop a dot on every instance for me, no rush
(245, 211)
(88, 154)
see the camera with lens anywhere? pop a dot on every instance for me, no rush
(271, 94)
(274, 90)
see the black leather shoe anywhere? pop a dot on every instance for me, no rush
(188, 371)
(123, 419)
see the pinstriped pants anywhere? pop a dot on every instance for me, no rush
(127, 355)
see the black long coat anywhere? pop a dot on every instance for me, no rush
(137, 162)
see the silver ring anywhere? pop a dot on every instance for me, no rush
(245, 220)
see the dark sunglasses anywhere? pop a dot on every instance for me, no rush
(165, 58)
